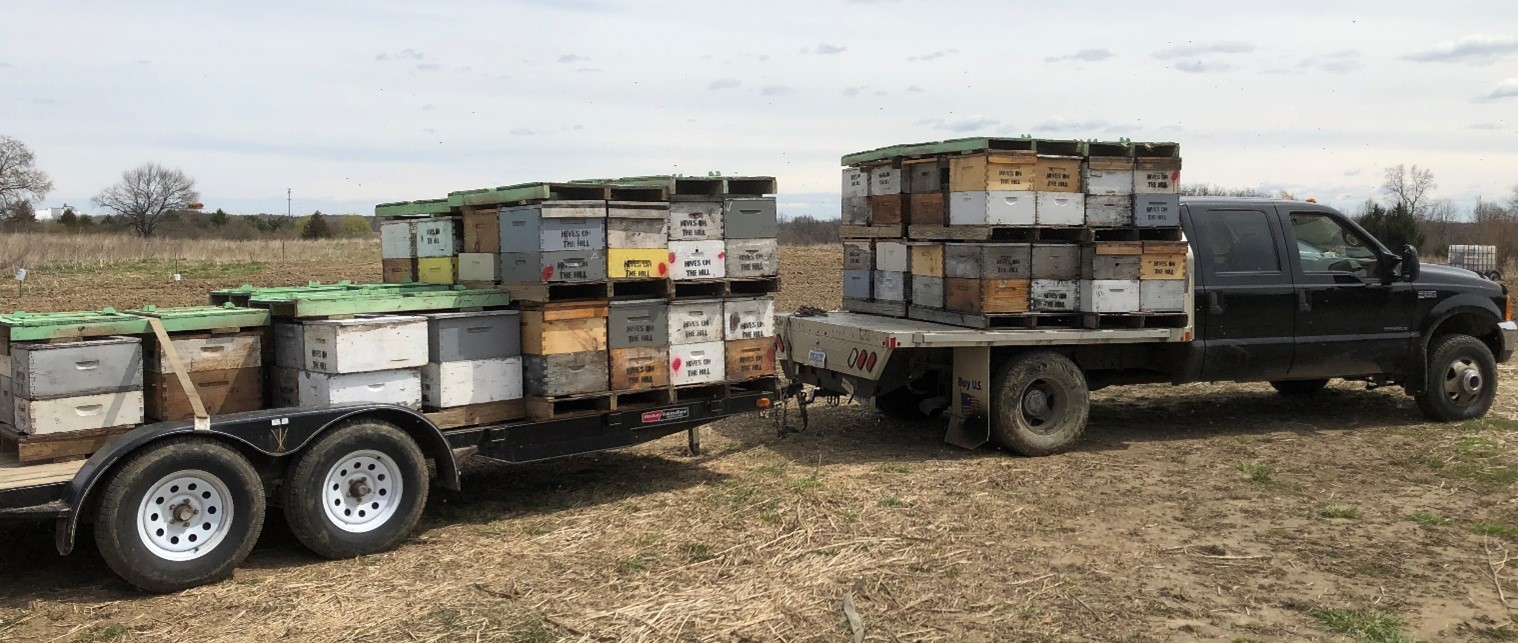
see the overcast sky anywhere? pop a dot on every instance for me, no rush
(352, 103)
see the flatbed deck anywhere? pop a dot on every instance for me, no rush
(875, 330)
(15, 475)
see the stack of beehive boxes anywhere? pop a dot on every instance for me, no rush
(473, 358)
(1015, 232)
(420, 250)
(226, 370)
(72, 387)
(553, 242)
(361, 359)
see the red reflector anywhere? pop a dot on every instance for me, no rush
(869, 364)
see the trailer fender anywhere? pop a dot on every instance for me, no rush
(274, 433)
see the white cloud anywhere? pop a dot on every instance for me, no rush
(1505, 89)
(1189, 51)
(775, 90)
(824, 49)
(1336, 62)
(1201, 66)
(724, 83)
(1474, 50)
(935, 55)
(1084, 55)
(572, 58)
(970, 124)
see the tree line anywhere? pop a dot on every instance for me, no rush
(149, 200)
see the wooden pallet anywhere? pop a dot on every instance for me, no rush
(872, 231)
(537, 292)
(478, 414)
(528, 193)
(1030, 321)
(717, 288)
(882, 308)
(567, 406)
(642, 289)
(57, 447)
(754, 385)
(1015, 234)
(695, 188)
(1132, 233)
(1133, 320)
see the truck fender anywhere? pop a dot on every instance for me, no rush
(1457, 305)
(276, 433)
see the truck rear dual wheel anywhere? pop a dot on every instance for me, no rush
(180, 513)
(360, 489)
(1460, 379)
(1042, 403)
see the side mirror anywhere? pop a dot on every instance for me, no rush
(1410, 265)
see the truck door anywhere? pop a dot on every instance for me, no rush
(1245, 304)
(1350, 321)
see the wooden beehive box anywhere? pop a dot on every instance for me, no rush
(564, 328)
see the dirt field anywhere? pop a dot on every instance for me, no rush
(1219, 512)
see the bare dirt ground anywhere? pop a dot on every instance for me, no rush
(1216, 512)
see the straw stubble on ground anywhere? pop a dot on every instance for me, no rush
(1195, 513)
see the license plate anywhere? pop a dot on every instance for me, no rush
(817, 358)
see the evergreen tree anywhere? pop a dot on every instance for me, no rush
(1395, 227)
(68, 219)
(316, 227)
(218, 218)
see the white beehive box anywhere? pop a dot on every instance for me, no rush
(400, 386)
(856, 182)
(892, 256)
(1053, 295)
(398, 240)
(364, 344)
(889, 285)
(997, 208)
(479, 266)
(449, 384)
(1110, 296)
(752, 257)
(749, 317)
(885, 181)
(1162, 295)
(702, 363)
(79, 413)
(7, 400)
(695, 220)
(697, 260)
(435, 238)
(1061, 209)
(695, 321)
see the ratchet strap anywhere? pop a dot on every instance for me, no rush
(202, 421)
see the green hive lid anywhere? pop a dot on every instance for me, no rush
(25, 326)
(381, 300)
(191, 318)
(422, 208)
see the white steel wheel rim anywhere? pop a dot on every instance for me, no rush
(362, 491)
(185, 515)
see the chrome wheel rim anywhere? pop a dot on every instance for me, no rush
(185, 515)
(362, 491)
(1463, 381)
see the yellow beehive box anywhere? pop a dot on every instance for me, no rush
(1057, 174)
(927, 259)
(996, 171)
(436, 270)
(637, 263)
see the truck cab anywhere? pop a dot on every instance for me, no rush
(1287, 292)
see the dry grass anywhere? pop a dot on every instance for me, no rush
(1151, 531)
(41, 251)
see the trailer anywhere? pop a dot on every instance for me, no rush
(179, 504)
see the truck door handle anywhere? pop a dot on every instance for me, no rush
(1214, 302)
(1304, 302)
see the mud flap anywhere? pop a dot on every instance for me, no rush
(970, 410)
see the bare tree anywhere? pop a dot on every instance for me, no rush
(20, 180)
(148, 195)
(1208, 189)
(1410, 187)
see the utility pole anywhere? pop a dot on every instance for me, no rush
(287, 203)
(288, 216)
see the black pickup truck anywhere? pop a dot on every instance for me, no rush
(1287, 292)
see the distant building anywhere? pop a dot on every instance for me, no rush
(52, 214)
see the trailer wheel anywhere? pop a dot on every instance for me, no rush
(1461, 379)
(1298, 387)
(358, 490)
(180, 513)
(1041, 404)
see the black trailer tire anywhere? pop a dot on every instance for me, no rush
(1041, 402)
(360, 489)
(179, 513)
(1461, 379)
(1299, 387)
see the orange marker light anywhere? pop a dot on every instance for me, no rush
(762, 402)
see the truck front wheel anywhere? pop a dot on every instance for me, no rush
(1041, 404)
(358, 490)
(1460, 381)
(180, 513)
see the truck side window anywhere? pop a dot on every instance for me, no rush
(1326, 246)
(1241, 242)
